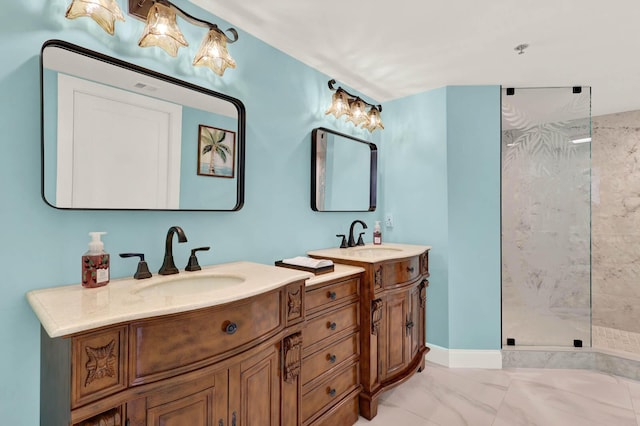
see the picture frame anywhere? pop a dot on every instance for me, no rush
(216, 152)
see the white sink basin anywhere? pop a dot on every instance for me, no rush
(374, 251)
(184, 284)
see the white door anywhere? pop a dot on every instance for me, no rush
(116, 149)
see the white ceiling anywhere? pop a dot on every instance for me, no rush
(391, 49)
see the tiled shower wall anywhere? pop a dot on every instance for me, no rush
(616, 228)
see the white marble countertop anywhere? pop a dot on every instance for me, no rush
(339, 271)
(71, 309)
(371, 253)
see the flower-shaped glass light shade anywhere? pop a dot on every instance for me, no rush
(357, 112)
(213, 53)
(373, 120)
(104, 12)
(339, 104)
(162, 30)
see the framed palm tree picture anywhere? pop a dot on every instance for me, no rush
(216, 152)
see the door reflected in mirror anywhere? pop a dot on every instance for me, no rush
(118, 136)
(343, 172)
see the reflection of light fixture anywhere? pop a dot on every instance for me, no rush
(104, 12)
(581, 140)
(161, 28)
(354, 108)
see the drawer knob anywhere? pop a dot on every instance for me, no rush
(332, 392)
(332, 295)
(230, 327)
(332, 358)
(331, 325)
(410, 269)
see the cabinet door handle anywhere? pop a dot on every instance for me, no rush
(410, 269)
(409, 326)
(230, 327)
(332, 392)
(332, 358)
(220, 422)
(127, 423)
(233, 419)
(332, 295)
(331, 325)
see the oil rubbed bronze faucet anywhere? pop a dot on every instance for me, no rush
(352, 241)
(168, 267)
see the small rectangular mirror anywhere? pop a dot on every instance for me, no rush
(344, 172)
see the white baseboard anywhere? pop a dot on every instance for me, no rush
(464, 358)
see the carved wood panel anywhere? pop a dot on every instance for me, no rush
(99, 364)
(376, 315)
(423, 293)
(377, 279)
(424, 264)
(292, 346)
(294, 302)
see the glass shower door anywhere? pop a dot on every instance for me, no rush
(546, 216)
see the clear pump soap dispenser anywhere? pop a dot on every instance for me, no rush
(377, 234)
(95, 263)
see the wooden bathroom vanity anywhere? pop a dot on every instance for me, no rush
(234, 344)
(392, 314)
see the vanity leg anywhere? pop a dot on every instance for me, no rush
(368, 406)
(422, 364)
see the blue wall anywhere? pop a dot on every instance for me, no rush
(442, 186)
(473, 183)
(285, 100)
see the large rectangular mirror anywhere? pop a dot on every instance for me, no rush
(118, 136)
(343, 172)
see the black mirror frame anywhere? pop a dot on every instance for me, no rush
(373, 175)
(132, 67)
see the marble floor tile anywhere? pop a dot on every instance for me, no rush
(389, 414)
(589, 384)
(530, 404)
(441, 396)
(447, 399)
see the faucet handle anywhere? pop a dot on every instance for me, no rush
(360, 241)
(193, 260)
(143, 269)
(343, 244)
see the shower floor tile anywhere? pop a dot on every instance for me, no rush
(618, 340)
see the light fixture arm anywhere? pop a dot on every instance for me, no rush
(140, 8)
(332, 82)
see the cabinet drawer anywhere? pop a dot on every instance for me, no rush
(98, 365)
(172, 345)
(325, 297)
(400, 272)
(331, 324)
(342, 414)
(327, 358)
(329, 392)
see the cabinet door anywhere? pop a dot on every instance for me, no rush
(393, 348)
(192, 410)
(254, 390)
(200, 402)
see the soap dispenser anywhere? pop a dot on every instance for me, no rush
(377, 234)
(95, 263)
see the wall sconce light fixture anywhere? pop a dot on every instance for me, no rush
(354, 108)
(161, 28)
(104, 12)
